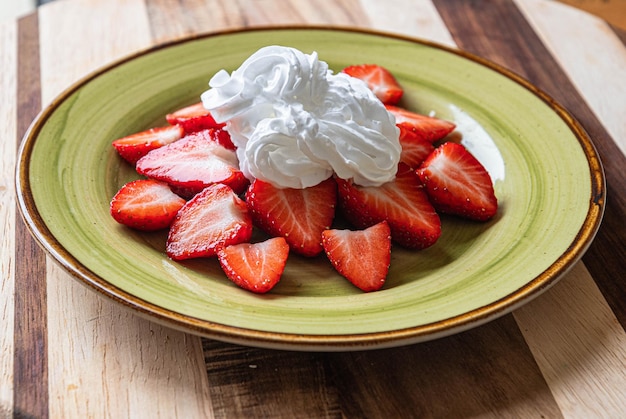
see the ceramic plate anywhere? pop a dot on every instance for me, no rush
(546, 172)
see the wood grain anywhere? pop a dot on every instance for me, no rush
(196, 16)
(606, 257)
(459, 376)
(249, 382)
(579, 346)
(533, 61)
(30, 292)
(68, 352)
(189, 17)
(105, 361)
(556, 83)
(227, 364)
(452, 377)
(421, 20)
(602, 94)
(8, 130)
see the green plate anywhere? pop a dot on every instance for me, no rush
(547, 176)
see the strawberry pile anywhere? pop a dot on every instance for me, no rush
(191, 184)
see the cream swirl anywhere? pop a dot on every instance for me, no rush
(295, 123)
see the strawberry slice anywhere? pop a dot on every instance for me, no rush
(415, 149)
(133, 147)
(457, 183)
(298, 215)
(191, 164)
(379, 80)
(362, 256)
(193, 118)
(223, 138)
(402, 202)
(196, 118)
(255, 267)
(211, 220)
(146, 205)
(429, 128)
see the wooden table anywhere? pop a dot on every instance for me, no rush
(67, 352)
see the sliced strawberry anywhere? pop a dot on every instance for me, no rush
(196, 118)
(146, 205)
(362, 256)
(223, 138)
(415, 149)
(211, 220)
(193, 118)
(191, 164)
(379, 80)
(402, 202)
(429, 128)
(133, 147)
(298, 215)
(457, 183)
(256, 267)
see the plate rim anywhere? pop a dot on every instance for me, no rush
(314, 342)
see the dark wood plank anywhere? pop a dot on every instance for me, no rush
(483, 372)
(466, 375)
(31, 363)
(256, 383)
(486, 31)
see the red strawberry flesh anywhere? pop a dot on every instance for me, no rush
(361, 256)
(299, 215)
(457, 183)
(379, 80)
(133, 147)
(193, 118)
(256, 267)
(213, 219)
(193, 163)
(145, 204)
(415, 149)
(403, 203)
(426, 127)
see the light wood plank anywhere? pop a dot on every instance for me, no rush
(602, 82)
(175, 20)
(79, 36)
(419, 19)
(13, 9)
(105, 361)
(314, 12)
(8, 132)
(579, 345)
(281, 12)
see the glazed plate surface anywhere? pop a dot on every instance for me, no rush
(546, 173)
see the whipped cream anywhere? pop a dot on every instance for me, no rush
(295, 123)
